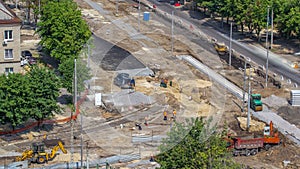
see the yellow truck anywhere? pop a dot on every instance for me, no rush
(221, 48)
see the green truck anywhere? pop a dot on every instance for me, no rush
(255, 102)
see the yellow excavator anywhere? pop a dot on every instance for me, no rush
(38, 154)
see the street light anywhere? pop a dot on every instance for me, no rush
(139, 16)
(267, 46)
(249, 93)
(247, 60)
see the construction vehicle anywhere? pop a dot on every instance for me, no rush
(255, 102)
(251, 146)
(38, 154)
(221, 48)
(271, 138)
(245, 146)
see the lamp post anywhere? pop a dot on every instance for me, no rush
(139, 15)
(247, 60)
(230, 44)
(249, 93)
(172, 30)
(267, 46)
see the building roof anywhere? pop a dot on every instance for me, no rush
(7, 16)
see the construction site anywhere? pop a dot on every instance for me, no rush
(142, 68)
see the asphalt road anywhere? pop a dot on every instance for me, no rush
(258, 55)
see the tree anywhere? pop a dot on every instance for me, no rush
(194, 145)
(28, 96)
(62, 29)
(14, 101)
(67, 70)
(45, 85)
(289, 18)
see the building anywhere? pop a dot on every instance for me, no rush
(10, 25)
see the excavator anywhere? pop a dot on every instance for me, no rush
(270, 137)
(38, 154)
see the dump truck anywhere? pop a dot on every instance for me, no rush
(255, 102)
(245, 146)
(248, 145)
(37, 153)
(221, 48)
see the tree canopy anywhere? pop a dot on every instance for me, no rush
(28, 96)
(64, 34)
(63, 31)
(253, 14)
(194, 145)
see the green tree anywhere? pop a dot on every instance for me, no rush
(62, 29)
(194, 145)
(288, 18)
(67, 70)
(45, 86)
(14, 101)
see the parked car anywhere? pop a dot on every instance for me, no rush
(27, 57)
(26, 53)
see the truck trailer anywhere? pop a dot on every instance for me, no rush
(246, 146)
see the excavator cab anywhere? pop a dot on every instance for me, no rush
(38, 147)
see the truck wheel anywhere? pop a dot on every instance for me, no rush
(254, 152)
(247, 153)
(41, 159)
(267, 147)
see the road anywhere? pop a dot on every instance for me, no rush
(258, 55)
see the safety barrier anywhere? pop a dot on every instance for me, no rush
(64, 120)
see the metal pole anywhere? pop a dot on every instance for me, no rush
(172, 30)
(88, 52)
(117, 6)
(249, 93)
(272, 28)
(139, 16)
(87, 155)
(267, 46)
(230, 44)
(244, 87)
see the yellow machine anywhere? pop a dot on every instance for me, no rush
(221, 48)
(38, 155)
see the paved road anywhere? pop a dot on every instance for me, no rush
(258, 55)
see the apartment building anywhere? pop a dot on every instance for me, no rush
(10, 56)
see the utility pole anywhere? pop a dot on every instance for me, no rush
(249, 93)
(139, 16)
(230, 44)
(172, 32)
(117, 6)
(244, 87)
(75, 105)
(267, 46)
(87, 155)
(272, 28)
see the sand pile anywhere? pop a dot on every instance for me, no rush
(254, 125)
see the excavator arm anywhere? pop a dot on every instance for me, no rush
(25, 155)
(56, 148)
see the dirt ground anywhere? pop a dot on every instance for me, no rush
(192, 93)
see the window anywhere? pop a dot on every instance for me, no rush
(8, 35)
(9, 70)
(8, 54)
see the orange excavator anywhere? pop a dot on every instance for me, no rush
(270, 137)
(38, 154)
